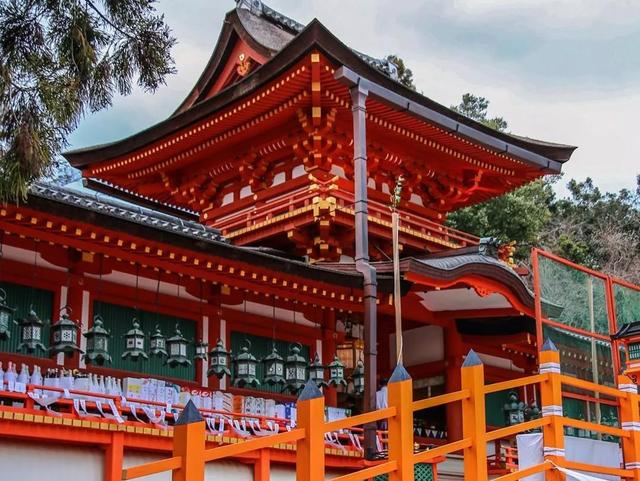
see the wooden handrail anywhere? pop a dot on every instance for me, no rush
(599, 428)
(360, 419)
(594, 468)
(514, 383)
(153, 467)
(424, 456)
(538, 468)
(590, 386)
(441, 399)
(253, 445)
(516, 428)
(369, 473)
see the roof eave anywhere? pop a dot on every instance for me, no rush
(398, 101)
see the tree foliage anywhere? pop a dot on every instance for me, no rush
(405, 75)
(60, 59)
(477, 108)
(599, 230)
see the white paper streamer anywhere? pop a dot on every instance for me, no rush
(116, 414)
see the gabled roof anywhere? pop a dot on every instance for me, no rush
(283, 41)
(265, 30)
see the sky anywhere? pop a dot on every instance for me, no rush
(566, 71)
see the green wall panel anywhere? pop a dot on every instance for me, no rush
(117, 319)
(494, 402)
(260, 348)
(22, 298)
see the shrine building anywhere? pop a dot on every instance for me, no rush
(243, 245)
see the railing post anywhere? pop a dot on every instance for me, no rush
(113, 455)
(551, 399)
(189, 444)
(630, 421)
(400, 442)
(310, 449)
(473, 419)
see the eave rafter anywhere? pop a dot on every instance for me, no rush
(175, 148)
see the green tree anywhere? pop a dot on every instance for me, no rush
(405, 75)
(599, 230)
(62, 59)
(477, 108)
(521, 216)
(518, 216)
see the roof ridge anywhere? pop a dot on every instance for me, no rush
(259, 8)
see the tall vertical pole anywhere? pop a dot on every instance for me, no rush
(358, 108)
(397, 295)
(594, 352)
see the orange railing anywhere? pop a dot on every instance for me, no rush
(189, 454)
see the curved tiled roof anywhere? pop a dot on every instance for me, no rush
(120, 209)
(284, 41)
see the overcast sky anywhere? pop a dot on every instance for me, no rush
(563, 70)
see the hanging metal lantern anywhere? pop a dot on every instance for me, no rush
(5, 316)
(336, 372)
(177, 348)
(295, 369)
(134, 342)
(219, 365)
(201, 350)
(31, 333)
(316, 372)
(64, 333)
(97, 343)
(245, 367)
(358, 378)
(274, 368)
(158, 343)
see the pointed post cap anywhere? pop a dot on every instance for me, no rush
(310, 391)
(399, 374)
(189, 415)
(472, 359)
(549, 346)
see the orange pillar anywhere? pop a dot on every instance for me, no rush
(551, 402)
(262, 467)
(113, 456)
(400, 392)
(630, 421)
(310, 449)
(473, 419)
(453, 359)
(189, 444)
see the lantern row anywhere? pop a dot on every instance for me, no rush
(290, 374)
